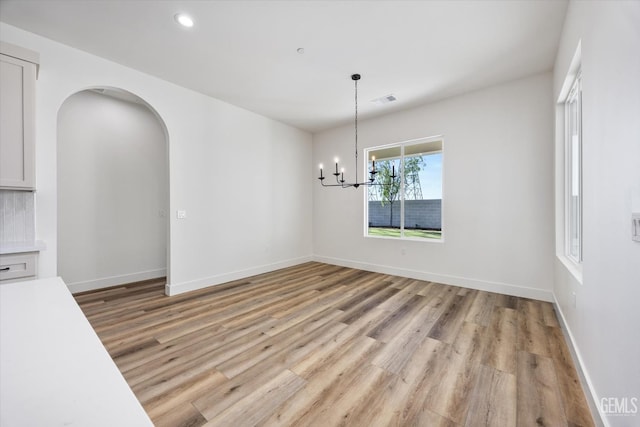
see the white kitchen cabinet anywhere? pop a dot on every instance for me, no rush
(18, 72)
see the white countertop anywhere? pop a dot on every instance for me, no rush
(21, 247)
(54, 371)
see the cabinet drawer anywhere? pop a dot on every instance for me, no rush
(17, 266)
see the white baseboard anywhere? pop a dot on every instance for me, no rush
(105, 282)
(482, 285)
(179, 288)
(585, 380)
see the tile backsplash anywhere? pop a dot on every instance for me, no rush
(17, 216)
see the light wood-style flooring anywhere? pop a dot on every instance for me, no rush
(317, 344)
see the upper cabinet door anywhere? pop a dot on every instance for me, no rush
(17, 123)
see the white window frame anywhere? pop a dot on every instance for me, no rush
(402, 146)
(573, 160)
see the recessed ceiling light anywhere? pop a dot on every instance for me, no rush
(184, 20)
(300, 50)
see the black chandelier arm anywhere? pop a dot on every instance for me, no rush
(345, 184)
(339, 183)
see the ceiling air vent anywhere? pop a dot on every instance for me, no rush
(384, 100)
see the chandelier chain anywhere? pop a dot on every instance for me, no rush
(356, 126)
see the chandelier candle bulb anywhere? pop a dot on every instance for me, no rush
(321, 171)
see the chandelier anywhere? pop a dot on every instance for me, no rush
(339, 173)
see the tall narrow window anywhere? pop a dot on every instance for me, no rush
(408, 203)
(573, 171)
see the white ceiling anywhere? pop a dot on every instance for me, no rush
(244, 52)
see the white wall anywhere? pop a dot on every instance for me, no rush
(112, 192)
(605, 322)
(497, 192)
(217, 152)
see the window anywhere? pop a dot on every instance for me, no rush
(408, 202)
(573, 171)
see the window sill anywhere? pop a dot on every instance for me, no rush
(406, 239)
(571, 266)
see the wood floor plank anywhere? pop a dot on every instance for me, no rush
(295, 339)
(357, 311)
(129, 290)
(401, 282)
(353, 350)
(503, 333)
(202, 322)
(427, 288)
(451, 396)
(531, 328)
(574, 402)
(425, 386)
(183, 393)
(327, 352)
(216, 348)
(481, 308)
(176, 370)
(440, 296)
(402, 345)
(539, 402)
(260, 403)
(304, 312)
(357, 298)
(493, 402)
(163, 379)
(398, 401)
(323, 381)
(328, 403)
(182, 415)
(399, 319)
(408, 291)
(317, 344)
(130, 359)
(452, 318)
(549, 315)
(506, 301)
(141, 322)
(213, 401)
(338, 411)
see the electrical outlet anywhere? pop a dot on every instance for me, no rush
(182, 214)
(635, 226)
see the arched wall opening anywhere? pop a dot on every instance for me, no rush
(113, 190)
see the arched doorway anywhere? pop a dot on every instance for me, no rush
(113, 190)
